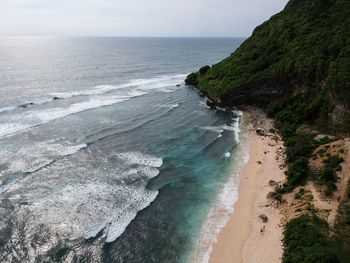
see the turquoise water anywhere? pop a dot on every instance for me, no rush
(105, 155)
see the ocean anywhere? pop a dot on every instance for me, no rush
(105, 154)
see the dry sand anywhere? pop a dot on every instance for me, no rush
(241, 240)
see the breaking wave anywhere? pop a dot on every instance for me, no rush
(33, 117)
(140, 159)
(135, 88)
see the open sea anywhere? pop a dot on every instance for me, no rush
(105, 154)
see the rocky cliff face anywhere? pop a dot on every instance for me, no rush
(299, 57)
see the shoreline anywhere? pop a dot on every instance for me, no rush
(245, 238)
(220, 212)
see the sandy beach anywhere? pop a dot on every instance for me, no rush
(246, 238)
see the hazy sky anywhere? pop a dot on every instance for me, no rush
(191, 18)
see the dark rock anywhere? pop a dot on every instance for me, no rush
(178, 85)
(26, 202)
(260, 131)
(192, 79)
(25, 105)
(273, 183)
(211, 104)
(270, 195)
(275, 196)
(264, 218)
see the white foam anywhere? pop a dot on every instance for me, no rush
(32, 158)
(224, 206)
(155, 83)
(136, 93)
(40, 102)
(233, 127)
(140, 84)
(230, 127)
(139, 172)
(221, 109)
(12, 127)
(227, 155)
(204, 104)
(26, 104)
(94, 230)
(37, 117)
(217, 129)
(236, 129)
(33, 117)
(98, 90)
(219, 136)
(135, 88)
(171, 106)
(236, 124)
(6, 109)
(57, 113)
(118, 226)
(72, 149)
(101, 207)
(217, 219)
(221, 128)
(140, 159)
(39, 166)
(237, 113)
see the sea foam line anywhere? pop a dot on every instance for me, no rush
(223, 207)
(117, 228)
(233, 127)
(36, 167)
(67, 151)
(139, 86)
(117, 224)
(39, 117)
(140, 159)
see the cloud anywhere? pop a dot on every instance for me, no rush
(135, 17)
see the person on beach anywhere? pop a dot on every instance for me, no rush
(262, 230)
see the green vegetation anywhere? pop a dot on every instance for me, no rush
(299, 148)
(300, 193)
(297, 173)
(192, 79)
(299, 59)
(328, 175)
(343, 229)
(305, 242)
(326, 140)
(204, 69)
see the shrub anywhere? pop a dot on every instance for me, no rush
(299, 145)
(298, 172)
(328, 175)
(204, 69)
(192, 79)
(333, 162)
(304, 242)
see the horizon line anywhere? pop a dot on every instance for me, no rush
(115, 36)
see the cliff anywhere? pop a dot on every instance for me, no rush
(300, 57)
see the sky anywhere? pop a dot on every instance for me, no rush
(163, 18)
